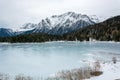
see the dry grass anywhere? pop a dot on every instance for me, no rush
(96, 73)
(22, 77)
(74, 74)
(79, 74)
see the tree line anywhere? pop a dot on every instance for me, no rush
(108, 30)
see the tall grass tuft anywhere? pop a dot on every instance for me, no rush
(22, 77)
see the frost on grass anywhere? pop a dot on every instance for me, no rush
(79, 74)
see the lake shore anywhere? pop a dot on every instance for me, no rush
(107, 71)
(59, 41)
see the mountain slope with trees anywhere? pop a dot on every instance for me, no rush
(104, 31)
(108, 30)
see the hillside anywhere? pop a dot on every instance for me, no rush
(104, 31)
(108, 30)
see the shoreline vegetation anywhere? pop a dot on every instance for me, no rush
(92, 71)
(74, 74)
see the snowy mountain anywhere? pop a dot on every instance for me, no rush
(61, 24)
(28, 26)
(94, 18)
(58, 24)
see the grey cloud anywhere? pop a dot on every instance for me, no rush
(14, 13)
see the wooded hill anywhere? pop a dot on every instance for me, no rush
(104, 31)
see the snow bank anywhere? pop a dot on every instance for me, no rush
(110, 70)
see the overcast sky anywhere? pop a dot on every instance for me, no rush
(14, 13)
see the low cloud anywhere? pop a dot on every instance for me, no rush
(14, 13)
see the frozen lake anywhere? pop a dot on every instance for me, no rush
(44, 59)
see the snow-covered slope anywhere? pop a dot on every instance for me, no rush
(26, 27)
(110, 72)
(94, 18)
(57, 24)
(60, 24)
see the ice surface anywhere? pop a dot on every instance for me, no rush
(44, 59)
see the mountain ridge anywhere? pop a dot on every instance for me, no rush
(58, 24)
(64, 23)
(108, 30)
